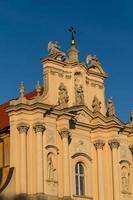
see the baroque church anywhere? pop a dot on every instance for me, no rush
(63, 141)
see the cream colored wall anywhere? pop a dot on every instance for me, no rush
(92, 85)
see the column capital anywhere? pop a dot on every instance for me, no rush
(114, 143)
(23, 127)
(131, 148)
(39, 127)
(64, 133)
(99, 144)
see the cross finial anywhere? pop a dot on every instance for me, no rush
(73, 31)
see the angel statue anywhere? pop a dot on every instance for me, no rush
(54, 51)
(89, 59)
(92, 60)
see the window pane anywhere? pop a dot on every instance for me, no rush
(81, 168)
(77, 185)
(76, 168)
(81, 185)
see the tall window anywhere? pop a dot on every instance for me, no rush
(79, 179)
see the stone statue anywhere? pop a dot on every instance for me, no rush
(92, 60)
(110, 107)
(51, 169)
(63, 96)
(125, 182)
(79, 94)
(54, 51)
(96, 104)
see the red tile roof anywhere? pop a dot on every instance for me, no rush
(4, 119)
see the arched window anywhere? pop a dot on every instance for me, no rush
(79, 179)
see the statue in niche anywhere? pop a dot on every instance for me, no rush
(51, 169)
(96, 104)
(54, 51)
(125, 180)
(63, 96)
(79, 94)
(110, 107)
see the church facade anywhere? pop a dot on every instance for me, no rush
(62, 141)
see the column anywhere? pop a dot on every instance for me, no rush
(64, 132)
(99, 144)
(23, 128)
(114, 144)
(131, 178)
(39, 129)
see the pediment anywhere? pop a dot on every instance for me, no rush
(83, 117)
(97, 69)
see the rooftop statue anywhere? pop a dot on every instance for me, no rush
(54, 51)
(92, 60)
(110, 107)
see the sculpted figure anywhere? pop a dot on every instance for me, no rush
(51, 169)
(63, 96)
(96, 104)
(92, 60)
(125, 182)
(54, 51)
(79, 94)
(110, 107)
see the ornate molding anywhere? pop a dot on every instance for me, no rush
(64, 133)
(99, 144)
(131, 148)
(23, 127)
(39, 127)
(114, 143)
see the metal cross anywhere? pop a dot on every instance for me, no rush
(73, 31)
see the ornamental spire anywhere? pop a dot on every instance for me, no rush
(22, 89)
(73, 52)
(73, 31)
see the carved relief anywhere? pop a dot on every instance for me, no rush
(124, 152)
(63, 96)
(80, 147)
(96, 105)
(50, 138)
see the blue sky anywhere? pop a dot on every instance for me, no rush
(104, 28)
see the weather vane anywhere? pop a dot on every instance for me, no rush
(73, 31)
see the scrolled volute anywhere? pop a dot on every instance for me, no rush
(64, 133)
(23, 127)
(114, 143)
(131, 148)
(99, 144)
(39, 127)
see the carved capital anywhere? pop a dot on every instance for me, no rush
(114, 143)
(64, 133)
(39, 127)
(131, 148)
(99, 144)
(23, 127)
